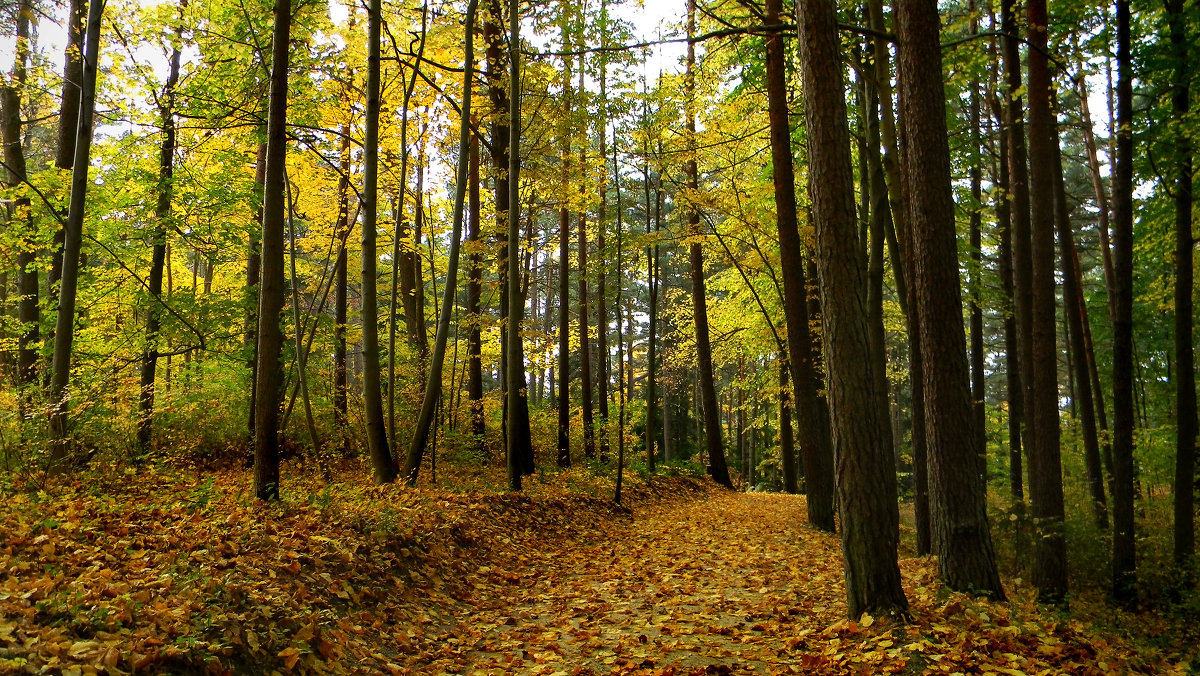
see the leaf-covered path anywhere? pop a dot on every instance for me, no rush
(710, 584)
(186, 573)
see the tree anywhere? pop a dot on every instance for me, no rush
(961, 533)
(866, 487)
(433, 388)
(814, 441)
(1124, 551)
(1185, 382)
(64, 332)
(704, 367)
(271, 291)
(520, 445)
(382, 462)
(162, 215)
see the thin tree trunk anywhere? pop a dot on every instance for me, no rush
(341, 383)
(253, 272)
(1124, 545)
(978, 383)
(382, 462)
(433, 388)
(1102, 223)
(68, 119)
(474, 296)
(1072, 298)
(520, 444)
(712, 424)
(564, 276)
(162, 213)
(64, 333)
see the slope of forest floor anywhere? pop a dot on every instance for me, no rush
(166, 572)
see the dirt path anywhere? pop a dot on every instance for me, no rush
(723, 585)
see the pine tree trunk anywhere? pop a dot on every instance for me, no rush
(866, 488)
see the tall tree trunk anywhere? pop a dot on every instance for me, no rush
(815, 450)
(341, 383)
(253, 273)
(433, 388)
(604, 374)
(64, 333)
(68, 118)
(867, 486)
(564, 272)
(520, 443)
(978, 383)
(11, 91)
(1185, 374)
(162, 213)
(474, 296)
(1102, 205)
(404, 268)
(1124, 552)
(961, 533)
(712, 424)
(1019, 189)
(382, 462)
(1072, 300)
(271, 291)
(1045, 475)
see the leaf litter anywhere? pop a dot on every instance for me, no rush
(161, 572)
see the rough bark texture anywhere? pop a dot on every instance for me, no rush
(520, 443)
(814, 442)
(1045, 471)
(271, 291)
(961, 533)
(866, 484)
(474, 296)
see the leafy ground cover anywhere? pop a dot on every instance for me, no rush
(161, 572)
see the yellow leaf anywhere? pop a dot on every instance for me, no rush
(290, 657)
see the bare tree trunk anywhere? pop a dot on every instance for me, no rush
(815, 450)
(433, 388)
(68, 119)
(474, 315)
(341, 383)
(271, 291)
(520, 444)
(1185, 379)
(866, 484)
(712, 424)
(64, 333)
(382, 462)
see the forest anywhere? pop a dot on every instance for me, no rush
(425, 336)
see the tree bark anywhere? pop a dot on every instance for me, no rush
(1124, 551)
(815, 450)
(68, 118)
(382, 462)
(961, 533)
(433, 387)
(717, 468)
(1185, 374)
(271, 292)
(341, 382)
(474, 315)
(520, 443)
(162, 214)
(64, 333)
(866, 486)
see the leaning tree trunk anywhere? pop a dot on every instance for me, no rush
(866, 484)
(433, 387)
(64, 332)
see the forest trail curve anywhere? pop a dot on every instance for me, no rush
(711, 585)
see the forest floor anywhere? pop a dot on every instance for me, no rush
(173, 572)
